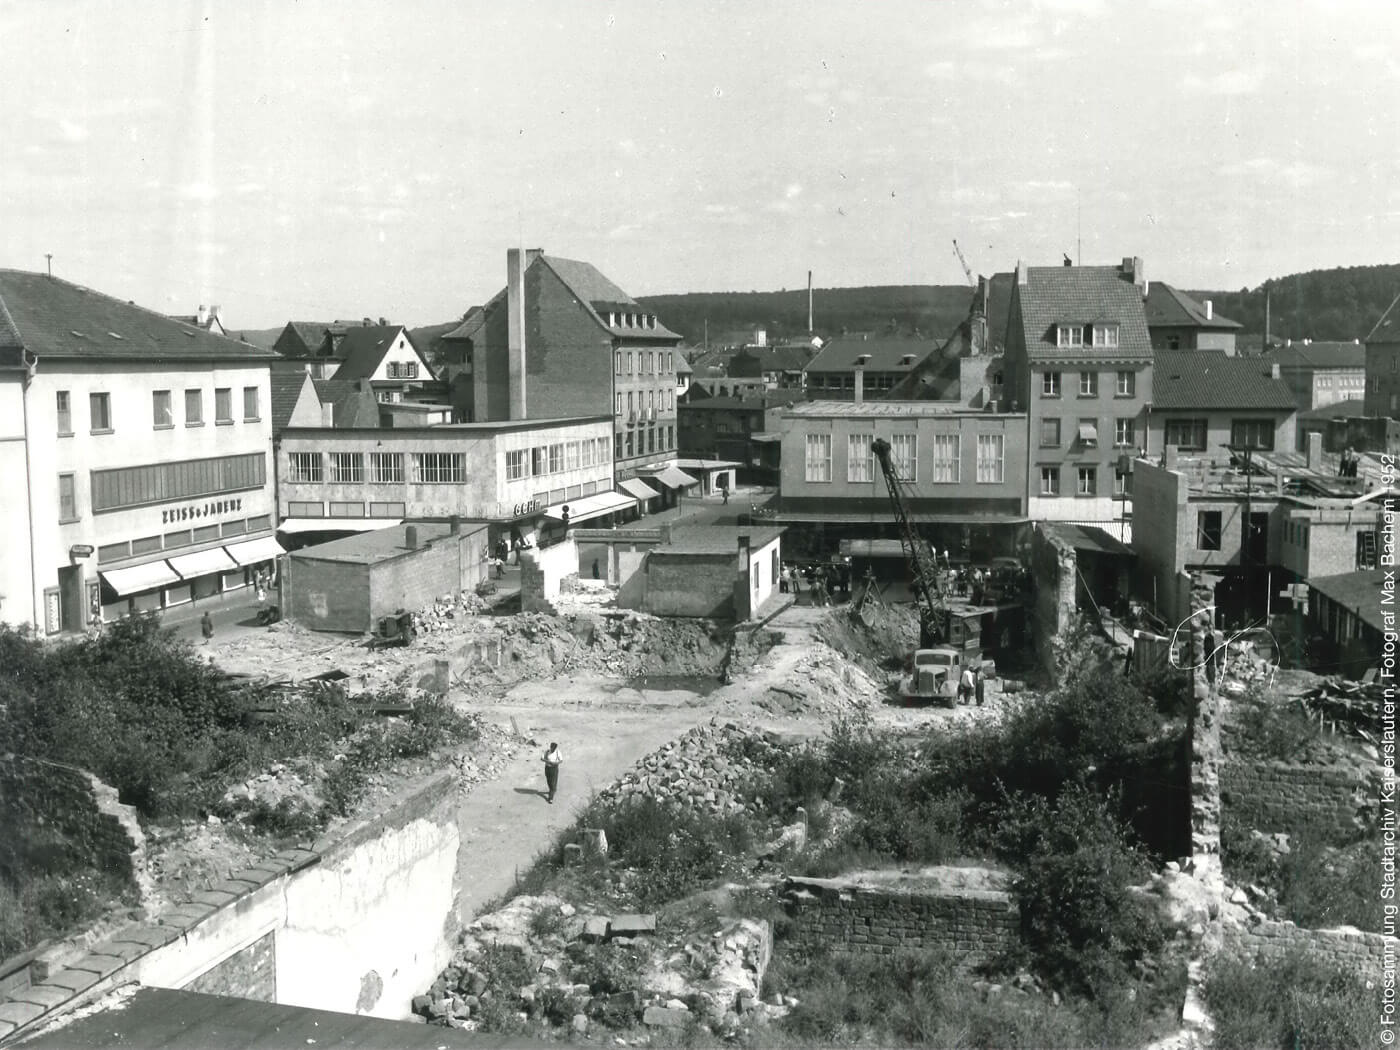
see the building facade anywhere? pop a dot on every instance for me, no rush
(879, 363)
(1383, 372)
(1321, 373)
(1176, 321)
(1204, 402)
(138, 457)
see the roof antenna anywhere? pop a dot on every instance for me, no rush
(1079, 227)
(48, 258)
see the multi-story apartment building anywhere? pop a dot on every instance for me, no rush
(136, 457)
(1079, 362)
(1383, 368)
(517, 476)
(562, 340)
(1203, 401)
(1176, 321)
(881, 362)
(1321, 373)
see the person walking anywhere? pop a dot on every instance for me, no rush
(966, 686)
(552, 758)
(206, 627)
(979, 685)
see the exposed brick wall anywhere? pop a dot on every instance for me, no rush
(1361, 952)
(328, 595)
(691, 584)
(543, 572)
(843, 916)
(247, 974)
(1276, 796)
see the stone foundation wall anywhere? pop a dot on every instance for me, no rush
(1277, 796)
(973, 925)
(1358, 951)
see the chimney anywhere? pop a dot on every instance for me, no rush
(1210, 309)
(201, 317)
(1273, 370)
(383, 322)
(363, 386)
(665, 529)
(327, 414)
(515, 332)
(454, 525)
(1020, 273)
(809, 300)
(410, 537)
(1315, 450)
(1133, 270)
(1169, 457)
(860, 384)
(216, 313)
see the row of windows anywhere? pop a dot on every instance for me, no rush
(1100, 335)
(640, 442)
(162, 409)
(945, 466)
(345, 509)
(385, 468)
(164, 482)
(1191, 435)
(643, 362)
(403, 370)
(1125, 384)
(183, 538)
(556, 459)
(1086, 481)
(665, 400)
(1086, 433)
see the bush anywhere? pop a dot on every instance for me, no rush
(1279, 732)
(1297, 1003)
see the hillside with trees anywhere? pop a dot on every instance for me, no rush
(1343, 303)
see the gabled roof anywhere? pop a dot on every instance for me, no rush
(1209, 379)
(351, 405)
(50, 317)
(885, 354)
(1359, 592)
(599, 294)
(1055, 295)
(769, 359)
(1167, 307)
(362, 350)
(287, 383)
(1316, 355)
(310, 335)
(475, 318)
(683, 366)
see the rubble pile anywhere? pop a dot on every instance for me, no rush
(823, 682)
(447, 609)
(878, 639)
(707, 769)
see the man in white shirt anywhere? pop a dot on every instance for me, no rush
(552, 758)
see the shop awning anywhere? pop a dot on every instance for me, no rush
(202, 563)
(674, 478)
(139, 577)
(294, 525)
(639, 488)
(251, 552)
(587, 507)
(763, 436)
(1088, 434)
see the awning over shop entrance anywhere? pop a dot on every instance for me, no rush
(639, 488)
(587, 507)
(202, 563)
(674, 478)
(295, 525)
(251, 552)
(139, 577)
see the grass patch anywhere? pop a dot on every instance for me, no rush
(1298, 1003)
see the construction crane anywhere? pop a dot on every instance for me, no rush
(923, 564)
(971, 281)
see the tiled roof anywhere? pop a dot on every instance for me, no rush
(1054, 295)
(749, 402)
(1317, 355)
(286, 388)
(1208, 379)
(475, 318)
(758, 359)
(1169, 308)
(50, 317)
(362, 350)
(683, 366)
(1359, 592)
(598, 293)
(886, 354)
(309, 334)
(352, 407)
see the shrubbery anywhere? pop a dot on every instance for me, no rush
(1298, 1003)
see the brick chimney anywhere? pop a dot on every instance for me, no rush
(517, 262)
(860, 384)
(1020, 273)
(1314, 450)
(1133, 271)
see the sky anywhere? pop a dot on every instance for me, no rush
(318, 160)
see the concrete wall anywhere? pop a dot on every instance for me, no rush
(691, 584)
(838, 915)
(1277, 796)
(1322, 541)
(765, 559)
(543, 571)
(445, 566)
(17, 590)
(328, 595)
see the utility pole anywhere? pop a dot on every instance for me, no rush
(48, 258)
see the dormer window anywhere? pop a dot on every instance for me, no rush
(1106, 335)
(1069, 335)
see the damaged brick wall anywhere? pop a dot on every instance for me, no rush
(1358, 951)
(1053, 569)
(544, 572)
(1280, 796)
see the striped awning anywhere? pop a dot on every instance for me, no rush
(587, 507)
(637, 487)
(674, 478)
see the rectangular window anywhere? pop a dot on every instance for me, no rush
(1049, 433)
(1127, 384)
(63, 405)
(1106, 335)
(194, 408)
(631, 406)
(571, 455)
(1208, 530)
(1050, 384)
(1121, 485)
(904, 455)
(439, 468)
(346, 509)
(206, 534)
(617, 362)
(991, 462)
(670, 400)
(305, 509)
(537, 461)
(304, 466)
(629, 362)
(947, 459)
(1069, 335)
(390, 509)
(859, 463)
(556, 459)
(651, 439)
(67, 498)
(1189, 435)
(1124, 432)
(410, 369)
(617, 403)
(1088, 384)
(1088, 481)
(393, 370)
(515, 464)
(347, 467)
(1252, 433)
(386, 468)
(628, 444)
(162, 412)
(818, 457)
(100, 413)
(163, 482)
(617, 447)
(1049, 481)
(223, 404)
(250, 404)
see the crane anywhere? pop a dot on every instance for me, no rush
(928, 583)
(971, 281)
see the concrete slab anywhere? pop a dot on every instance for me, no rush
(100, 964)
(18, 1014)
(74, 980)
(46, 995)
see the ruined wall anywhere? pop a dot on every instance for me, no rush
(1361, 952)
(543, 571)
(1279, 796)
(691, 584)
(1053, 570)
(850, 916)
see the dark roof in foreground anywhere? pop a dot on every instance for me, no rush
(1206, 379)
(717, 539)
(184, 1020)
(51, 317)
(367, 548)
(1088, 538)
(1358, 591)
(886, 353)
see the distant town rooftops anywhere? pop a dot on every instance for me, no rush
(877, 409)
(1211, 379)
(1311, 354)
(892, 353)
(1168, 307)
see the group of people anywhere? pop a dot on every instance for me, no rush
(823, 582)
(972, 684)
(1348, 463)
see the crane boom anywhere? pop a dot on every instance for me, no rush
(966, 268)
(928, 583)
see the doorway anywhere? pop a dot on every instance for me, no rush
(70, 597)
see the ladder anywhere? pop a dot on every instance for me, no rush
(1365, 550)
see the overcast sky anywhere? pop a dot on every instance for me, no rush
(358, 157)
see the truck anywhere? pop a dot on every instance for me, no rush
(933, 675)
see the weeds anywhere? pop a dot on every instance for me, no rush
(1297, 1003)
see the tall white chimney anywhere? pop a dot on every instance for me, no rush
(1210, 309)
(809, 300)
(201, 317)
(515, 331)
(860, 384)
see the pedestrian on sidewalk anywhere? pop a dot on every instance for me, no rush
(552, 758)
(206, 627)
